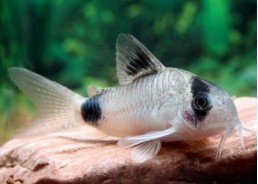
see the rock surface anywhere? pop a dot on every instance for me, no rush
(75, 159)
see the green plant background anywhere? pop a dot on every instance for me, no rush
(73, 42)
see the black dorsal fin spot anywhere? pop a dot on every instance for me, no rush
(134, 60)
(91, 110)
(139, 64)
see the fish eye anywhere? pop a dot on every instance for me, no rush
(201, 102)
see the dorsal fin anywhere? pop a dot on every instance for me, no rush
(93, 90)
(134, 60)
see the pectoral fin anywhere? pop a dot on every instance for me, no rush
(147, 145)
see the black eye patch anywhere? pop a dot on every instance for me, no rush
(201, 102)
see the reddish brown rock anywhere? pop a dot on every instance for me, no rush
(58, 159)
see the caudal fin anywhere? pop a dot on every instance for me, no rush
(58, 107)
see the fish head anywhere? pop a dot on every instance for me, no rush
(209, 111)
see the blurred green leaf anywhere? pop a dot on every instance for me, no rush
(216, 22)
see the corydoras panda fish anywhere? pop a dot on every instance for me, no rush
(153, 104)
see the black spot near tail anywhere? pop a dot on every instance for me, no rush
(91, 111)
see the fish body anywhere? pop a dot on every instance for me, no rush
(153, 103)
